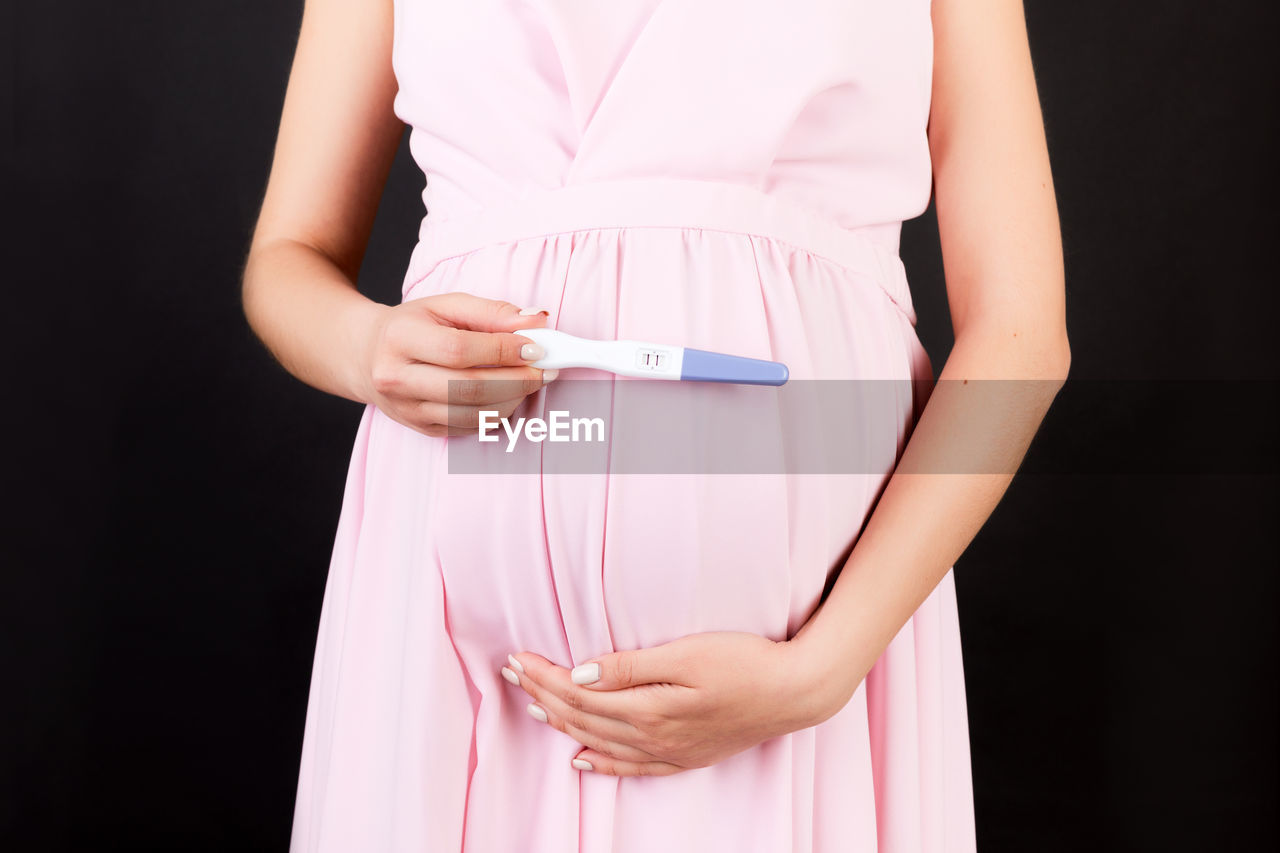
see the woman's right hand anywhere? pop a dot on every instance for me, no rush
(434, 363)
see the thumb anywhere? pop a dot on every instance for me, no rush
(478, 314)
(630, 668)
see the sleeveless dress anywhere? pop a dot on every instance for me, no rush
(730, 175)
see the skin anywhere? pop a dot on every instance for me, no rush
(338, 136)
(695, 701)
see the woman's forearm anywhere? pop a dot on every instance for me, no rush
(311, 317)
(1002, 254)
(979, 431)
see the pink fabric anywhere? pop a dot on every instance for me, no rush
(725, 174)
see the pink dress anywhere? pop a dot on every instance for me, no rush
(730, 175)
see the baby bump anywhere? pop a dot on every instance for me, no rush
(674, 523)
(690, 507)
(575, 565)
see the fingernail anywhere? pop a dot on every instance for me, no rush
(549, 375)
(588, 673)
(537, 713)
(515, 664)
(510, 676)
(532, 352)
(529, 312)
(582, 764)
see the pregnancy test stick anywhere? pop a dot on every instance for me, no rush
(652, 361)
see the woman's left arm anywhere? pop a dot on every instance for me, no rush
(702, 698)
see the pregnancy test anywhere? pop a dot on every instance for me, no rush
(652, 361)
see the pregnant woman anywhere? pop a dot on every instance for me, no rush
(538, 663)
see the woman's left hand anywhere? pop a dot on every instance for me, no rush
(685, 704)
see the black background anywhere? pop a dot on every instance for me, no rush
(174, 493)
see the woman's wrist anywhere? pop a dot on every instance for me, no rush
(819, 677)
(365, 320)
(312, 318)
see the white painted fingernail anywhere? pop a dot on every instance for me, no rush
(537, 713)
(588, 673)
(549, 375)
(529, 312)
(515, 664)
(509, 675)
(582, 764)
(532, 352)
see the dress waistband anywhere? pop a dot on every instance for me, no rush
(665, 202)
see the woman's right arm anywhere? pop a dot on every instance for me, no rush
(338, 136)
